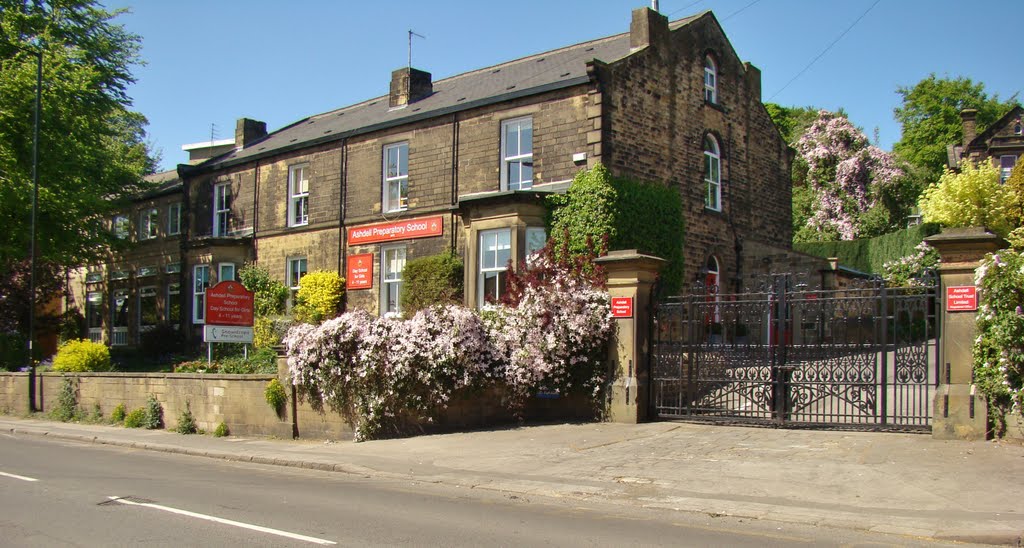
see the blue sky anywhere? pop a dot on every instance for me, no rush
(211, 62)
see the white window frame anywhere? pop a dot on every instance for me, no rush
(120, 227)
(221, 209)
(199, 285)
(294, 280)
(496, 268)
(298, 195)
(509, 160)
(145, 292)
(712, 174)
(174, 219)
(1004, 173)
(173, 294)
(225, 272)
(399, 178)
(94, 299)
(391, 256)
(149, 223)
(710, 80)
(119, 333)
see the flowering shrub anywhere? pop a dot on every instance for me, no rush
(999, 349)
(319, 296)
(972, 197)
(908, 270)
(384, 374)
(848, 178)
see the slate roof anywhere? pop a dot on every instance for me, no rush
(164, 182)
(555, 69)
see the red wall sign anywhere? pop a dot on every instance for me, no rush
(423, 227)
(360, 271)
(229, 303)
(622, 307)
(961, 298)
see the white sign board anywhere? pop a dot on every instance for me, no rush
(227, 333)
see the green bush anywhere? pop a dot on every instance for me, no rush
(262, 361)
(269, 295)
(154, 414)
(82, 355)
(13, 351)
(619, 212)
(871, 254)
(319, 296)
(431, 280)
(72, 325)
(186, 422)
(221, 431)
(119, 414)
(276, 396)
(135, 419)
(67, 401)
(160, 342)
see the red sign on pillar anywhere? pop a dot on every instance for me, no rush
(961, 298)
(360, 271)
(622, 307)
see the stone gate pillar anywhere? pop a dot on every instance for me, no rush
(630, 277)
(959, 411)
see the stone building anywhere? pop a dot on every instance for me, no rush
(463, 163)
(1002, 142)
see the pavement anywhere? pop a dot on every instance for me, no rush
(905, 484)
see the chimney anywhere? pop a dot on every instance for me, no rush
(248, 131)
(969, 118)
(409, 85)
(753, 80)
(648, 28)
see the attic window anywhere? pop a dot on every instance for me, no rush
(1016, 129)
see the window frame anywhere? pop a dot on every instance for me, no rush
(401, 178)
(710, 80)
(221, 209)
(498, 269)
(149, 224)
(147, 292)
(521, 159)
(120, 225)
(298, 199)
(395, 282)
(199, 293)
(293, 284)
(1004, 172)
(174, 219)
(712, 173)
(119, 333)
(173, 294)
(221, 267)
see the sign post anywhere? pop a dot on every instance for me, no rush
(229, 316)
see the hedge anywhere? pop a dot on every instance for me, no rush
(432, 280)
(870, 254)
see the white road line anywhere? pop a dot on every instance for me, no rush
(16, 476)
(215, 519)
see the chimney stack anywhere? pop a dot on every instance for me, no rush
(648, 28)
(409, 85)
(248, 131)
(753, 79)
(969, 117)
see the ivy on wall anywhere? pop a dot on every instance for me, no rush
(625, 213)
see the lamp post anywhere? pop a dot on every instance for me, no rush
(32, 230)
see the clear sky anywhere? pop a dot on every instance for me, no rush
(209, 62)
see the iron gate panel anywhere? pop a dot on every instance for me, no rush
(861, 357)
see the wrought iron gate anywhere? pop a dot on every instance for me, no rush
(856, 357)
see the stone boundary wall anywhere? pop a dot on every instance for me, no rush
(239, 402)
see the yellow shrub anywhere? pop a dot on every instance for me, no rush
(263, 333)
(319, 296)
(82, 355)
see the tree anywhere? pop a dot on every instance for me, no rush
(972, 197)
(853, 189)
(930, 116)
(92, 154)
(792, 122)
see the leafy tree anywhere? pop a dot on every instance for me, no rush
(92, 153)
(930, 116)
(269, 295)
(792, 122)
(1015, 184)
(972, 197)
(853, 188)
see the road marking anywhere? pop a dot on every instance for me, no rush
(16, 476)
(233, 523)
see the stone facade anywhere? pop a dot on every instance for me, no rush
(1002, 143)
(479, 151)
